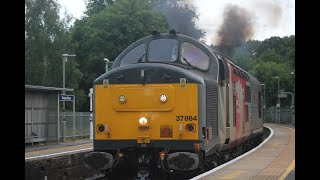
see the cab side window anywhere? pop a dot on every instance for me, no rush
(222, 72)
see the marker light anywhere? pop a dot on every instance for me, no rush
(163, 98)
(143, 121)
(100, 127)
(190, 128)
(122, 99)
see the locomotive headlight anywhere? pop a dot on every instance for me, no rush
(122, 99)
(163, 98)
(143, 121)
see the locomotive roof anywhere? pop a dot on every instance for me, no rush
(176, 35)
(181, 36)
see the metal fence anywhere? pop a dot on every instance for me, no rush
(82, 125)
(41, 126)
(287, 115)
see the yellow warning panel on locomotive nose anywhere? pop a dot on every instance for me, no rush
(143, 97)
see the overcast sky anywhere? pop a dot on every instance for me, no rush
(269, 17)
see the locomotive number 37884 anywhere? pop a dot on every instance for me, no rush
(186, 118)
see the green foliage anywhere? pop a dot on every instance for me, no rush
(111, 25)
(246, 53)
(272, 57)
(96, 6)
(46, 39)
(107, 33)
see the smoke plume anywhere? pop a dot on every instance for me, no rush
(180, 15)
(271, 11)
(235, 29)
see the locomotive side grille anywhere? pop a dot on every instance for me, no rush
(212, 108)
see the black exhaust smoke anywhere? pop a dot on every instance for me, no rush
(235, 29)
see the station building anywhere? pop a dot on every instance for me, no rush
(41, 113)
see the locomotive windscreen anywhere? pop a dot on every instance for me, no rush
(137, 53)
(163, 50)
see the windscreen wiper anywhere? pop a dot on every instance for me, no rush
(186, 60)
(140, 59)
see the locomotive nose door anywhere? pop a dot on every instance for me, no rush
(143, 104)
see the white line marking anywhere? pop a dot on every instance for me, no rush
(236, 159)
(60, 153)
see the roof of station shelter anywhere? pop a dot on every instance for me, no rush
(45, 88)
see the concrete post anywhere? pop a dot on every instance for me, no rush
(64, 131)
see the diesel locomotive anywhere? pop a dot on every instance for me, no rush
(173, 103)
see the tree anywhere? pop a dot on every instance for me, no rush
(96, 6)
(46, 39)
(264, 71)
(245, 54)
(274, 56)
(106, 33)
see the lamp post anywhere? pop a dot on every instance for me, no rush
(64, 60)
(278, 104)
(264, 102)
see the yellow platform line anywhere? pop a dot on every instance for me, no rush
(233, 175)
(290, 168)
(292, 165)
(289, 128)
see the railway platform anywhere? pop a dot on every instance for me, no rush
(54, 149)
(275, 159)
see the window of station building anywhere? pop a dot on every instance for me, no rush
(163, 50)
(135, 54)
(194, 56)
